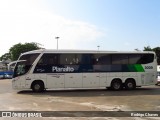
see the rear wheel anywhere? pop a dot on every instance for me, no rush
(116, 85)
(130, 84)
(38, 86)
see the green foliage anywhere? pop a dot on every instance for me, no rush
(6, 56)
(156, 50)
(148, 48)
(19, 48)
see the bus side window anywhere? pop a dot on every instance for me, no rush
(78, 59)
(147, 58)
(95, 59)
(120, 59)
(40, 62)
(69, 59)
(86, 59)
(101, 59)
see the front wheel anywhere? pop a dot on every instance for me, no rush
(38, 86)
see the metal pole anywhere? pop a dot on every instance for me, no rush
(98, 47)
(57, 41)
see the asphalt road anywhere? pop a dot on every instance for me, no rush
(141, 99)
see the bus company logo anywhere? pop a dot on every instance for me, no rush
(65, 69)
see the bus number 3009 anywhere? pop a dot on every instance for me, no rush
(148, 67)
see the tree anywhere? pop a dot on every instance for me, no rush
(156, 50)
(5, 57)
(148, 48)
(19, 48)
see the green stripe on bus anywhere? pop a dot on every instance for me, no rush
(136, 68)
(139, 68)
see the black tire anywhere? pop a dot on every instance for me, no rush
(38, 86)
(116, 85)
(108, 88)
(130, 84)
(158, 83)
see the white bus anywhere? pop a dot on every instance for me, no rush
(51, 69)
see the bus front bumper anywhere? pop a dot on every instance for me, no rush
(17, 85)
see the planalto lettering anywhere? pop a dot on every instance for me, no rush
(64, 69)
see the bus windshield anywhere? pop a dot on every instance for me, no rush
(25, 63)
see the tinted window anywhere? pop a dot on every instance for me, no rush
(141, 58)
(48, 59)
(119, 59)
(30, 58)
(101, 59)
(73, 59)
(69, 59)
(86, 59)
(135, 59)
(147, 58)
(65, 59)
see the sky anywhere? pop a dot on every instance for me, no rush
(114, 25)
